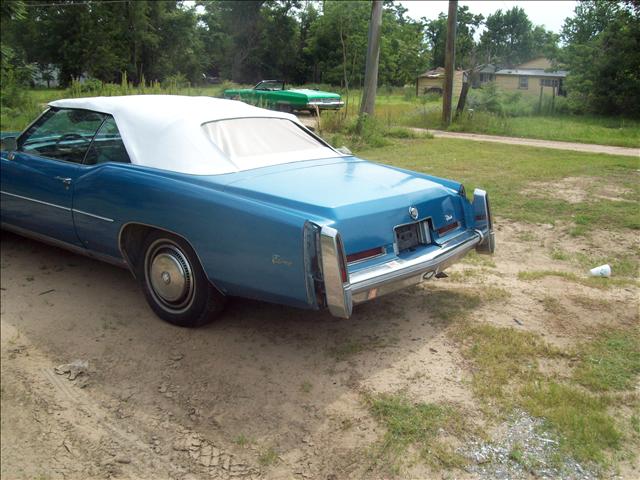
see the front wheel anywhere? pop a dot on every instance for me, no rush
(174, 283)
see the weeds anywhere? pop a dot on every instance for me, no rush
(587, 430)
(579, 409)
(610, 362)
(350, 348)
(473, 258)
(502, 355)
(268, 457)
(593, 282)
(242, 440)
(416, 425)
(552, 305)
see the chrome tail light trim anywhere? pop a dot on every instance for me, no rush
(337, 292)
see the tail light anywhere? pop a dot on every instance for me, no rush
(447, 228)
(341, 260)
(372, 252)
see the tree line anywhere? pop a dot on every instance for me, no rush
(307, 42)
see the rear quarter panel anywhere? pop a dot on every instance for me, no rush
(236, 238)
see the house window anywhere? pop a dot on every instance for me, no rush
(549, 82)
(523, 83)
(487, 77)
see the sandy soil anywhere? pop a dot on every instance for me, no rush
(265, 391)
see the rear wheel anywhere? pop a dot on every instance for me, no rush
(174, 282)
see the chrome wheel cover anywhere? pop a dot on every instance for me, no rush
(169, 276)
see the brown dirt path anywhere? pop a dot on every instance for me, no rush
(531, 142)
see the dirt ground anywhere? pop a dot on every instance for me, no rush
(265, 391)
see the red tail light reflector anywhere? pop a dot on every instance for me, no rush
(343, 266)
(372, 252)
(447, 228)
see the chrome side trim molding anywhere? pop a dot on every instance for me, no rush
(338, 293)
(118, 262)
(67, 209)
(81, 212)
(36, 201)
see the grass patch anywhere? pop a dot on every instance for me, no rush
(568, 128)
(507, 170)
(418, 426)
(610, 362)
(268, 457)
(623, 264)
(395, 108)
(590, 303)
(242, 440)
(446, 306)
(350, 348)
(473, 258)
(552, 305)
(586, 429)
(501, 355)
(306, 387)
(579, 409)
(593, 282)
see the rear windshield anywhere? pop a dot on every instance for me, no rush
(259, 142)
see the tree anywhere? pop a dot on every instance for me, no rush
(368, 103)
(339, 40)
(602, 54)
(466, 26)
(403, 53)
(510, 39)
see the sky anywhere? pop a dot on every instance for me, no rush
(550, 14)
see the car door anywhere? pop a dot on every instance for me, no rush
(38, 178)
(98, 194)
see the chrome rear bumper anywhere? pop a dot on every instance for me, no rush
(326, 105)
(378, 280)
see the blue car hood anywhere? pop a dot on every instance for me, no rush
(363, 200)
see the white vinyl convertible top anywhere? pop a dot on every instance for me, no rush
(166, 131)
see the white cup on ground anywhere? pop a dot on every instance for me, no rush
(601, 271)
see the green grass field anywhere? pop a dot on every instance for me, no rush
(397, 107)
(507, 170)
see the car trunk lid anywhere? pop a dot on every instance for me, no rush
(365, 201)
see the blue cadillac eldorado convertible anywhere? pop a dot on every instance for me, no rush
(206, 198)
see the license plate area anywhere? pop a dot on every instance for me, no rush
(412, 235)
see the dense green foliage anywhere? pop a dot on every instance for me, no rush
(603, 55)
(178, 43)
(510, 39)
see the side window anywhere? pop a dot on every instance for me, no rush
(523, 83)
(63, 134)
(107, 145)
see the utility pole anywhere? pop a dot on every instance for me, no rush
(368, 103)
(449, 62)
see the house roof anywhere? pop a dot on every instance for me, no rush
(532, 72)
(436, 73)
(487, 68)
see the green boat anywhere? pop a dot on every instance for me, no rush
(273, 94)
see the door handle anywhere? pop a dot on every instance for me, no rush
(65, 180)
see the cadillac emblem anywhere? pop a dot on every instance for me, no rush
(413, 213)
